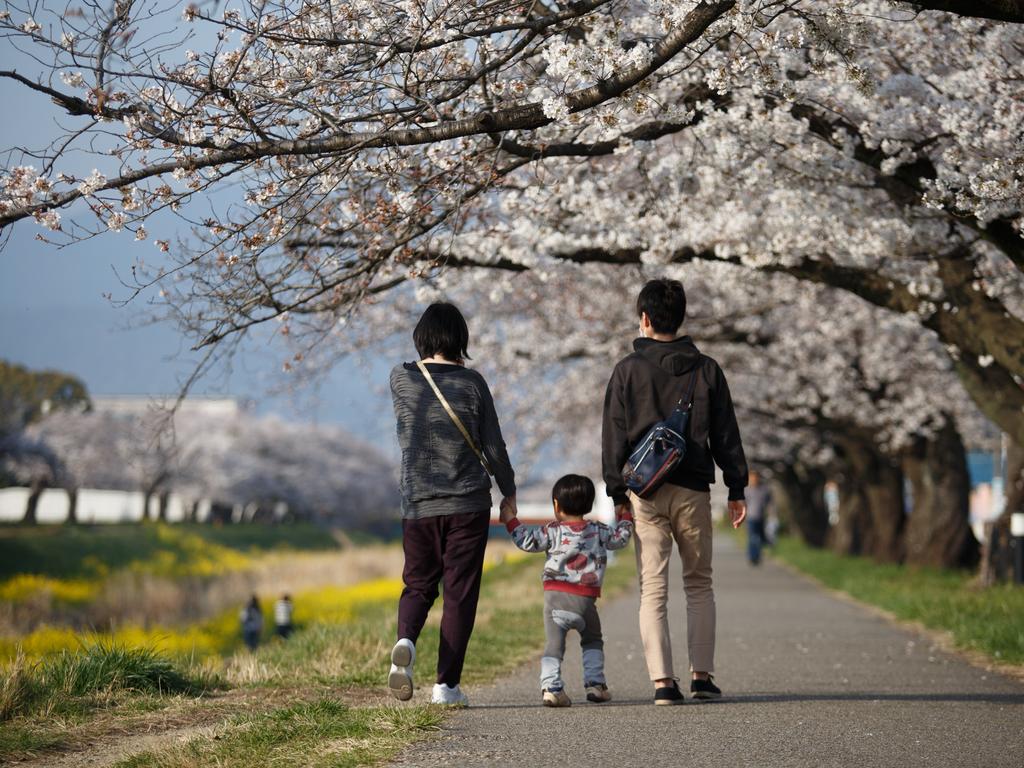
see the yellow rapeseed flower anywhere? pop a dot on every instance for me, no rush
(27, 585)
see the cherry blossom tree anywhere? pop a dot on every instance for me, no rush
(326, 157)
(319, 473)
(826, 384)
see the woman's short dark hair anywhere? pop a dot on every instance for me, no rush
(442, 330)
(664, 301)
(574, 494)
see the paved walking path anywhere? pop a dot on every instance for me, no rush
(811, 680)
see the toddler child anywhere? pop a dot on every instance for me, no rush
(577, 552)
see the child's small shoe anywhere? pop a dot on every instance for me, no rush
(598, 693)
(556, 697)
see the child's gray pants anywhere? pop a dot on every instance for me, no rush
(563, 612)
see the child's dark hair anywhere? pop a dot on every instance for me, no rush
(574, 494)
(442, 330)
(664, 301)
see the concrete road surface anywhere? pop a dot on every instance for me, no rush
(809, 680)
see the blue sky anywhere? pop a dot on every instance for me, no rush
(53, 313)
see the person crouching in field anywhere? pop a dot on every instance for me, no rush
(577, 551)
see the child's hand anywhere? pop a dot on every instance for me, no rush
(622, 510)
(507, 509)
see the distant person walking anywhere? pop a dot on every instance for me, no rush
(644, 389)
(283, 617)
(252, 623)
(450, 439)
(759, 500)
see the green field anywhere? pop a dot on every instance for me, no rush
(75, 551)
(313, 700)
(985, 620)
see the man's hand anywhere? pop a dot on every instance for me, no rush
(622, 509)
(507, 509)
(738, 512)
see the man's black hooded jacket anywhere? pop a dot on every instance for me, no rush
(644, 388)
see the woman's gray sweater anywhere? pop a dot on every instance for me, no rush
(441, 475)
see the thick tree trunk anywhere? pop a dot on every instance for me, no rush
(72, 506)
(1014, 482)
(800, 501)
(847, 536)
(871, 514)
(1001, 10)
(996, 564)
(35, 491)
(938, 532)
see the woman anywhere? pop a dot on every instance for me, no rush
(446, 495)
(252, 623)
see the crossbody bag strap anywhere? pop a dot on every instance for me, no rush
(454, 416)
(686, 401)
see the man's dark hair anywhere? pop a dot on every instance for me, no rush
(664, 301)
(574, 494)
(442, 330)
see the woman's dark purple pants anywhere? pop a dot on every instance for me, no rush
(448, 550)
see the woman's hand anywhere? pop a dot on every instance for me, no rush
(507, 509)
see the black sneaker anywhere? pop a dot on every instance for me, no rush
(597, 692)
(705, 689)
(669, 695)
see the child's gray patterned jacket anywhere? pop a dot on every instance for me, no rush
(577, 550)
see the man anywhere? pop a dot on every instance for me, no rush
(644, 388)
(759, 501)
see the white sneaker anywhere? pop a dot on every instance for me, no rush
(403, 655)
(449, 697)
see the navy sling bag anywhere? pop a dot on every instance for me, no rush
(661, 449)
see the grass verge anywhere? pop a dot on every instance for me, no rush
(318, 734)
(986, 620)
(74, 682)
(293, 713)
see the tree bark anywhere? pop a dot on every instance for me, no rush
(35, 491)
(999, 10)
(72, 506)
(847, 536)
(1014, 482)
(871, 515)
(938, 532)
(996, 559)
(800, 501)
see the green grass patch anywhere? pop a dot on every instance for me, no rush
(323, 733)
(27, 739)
(73, 682)
(69, 551)
(989, 620)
